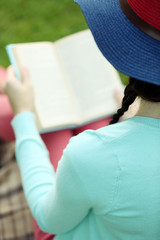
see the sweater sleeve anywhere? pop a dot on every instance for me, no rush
(57, 201)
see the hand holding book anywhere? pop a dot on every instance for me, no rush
(73, 83)
(20, 94)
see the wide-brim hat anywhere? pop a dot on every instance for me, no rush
(129, 49)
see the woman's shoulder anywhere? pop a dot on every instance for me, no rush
(105, 134)
(117, 131)
(92, 142)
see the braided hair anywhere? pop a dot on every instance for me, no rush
(135, 88)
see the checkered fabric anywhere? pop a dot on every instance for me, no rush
(15, 217)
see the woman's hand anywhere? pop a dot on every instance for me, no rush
(20, 93)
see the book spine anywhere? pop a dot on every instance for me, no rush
(12, 59)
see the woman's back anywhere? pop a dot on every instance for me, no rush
(119, 167)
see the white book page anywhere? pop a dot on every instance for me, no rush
(52, 100)
(91, 76)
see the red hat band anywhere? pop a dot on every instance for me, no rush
(148, 10)
(139, 21)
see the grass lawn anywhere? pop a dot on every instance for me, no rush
(37, 20)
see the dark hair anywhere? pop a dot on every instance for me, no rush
(135, 88)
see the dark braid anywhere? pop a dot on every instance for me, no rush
(145, 90)
(129, 97)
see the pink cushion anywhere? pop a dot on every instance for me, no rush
(6, 113)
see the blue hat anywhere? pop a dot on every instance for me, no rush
(129, 49)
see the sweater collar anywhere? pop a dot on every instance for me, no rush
(147, 120)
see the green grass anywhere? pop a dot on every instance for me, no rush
(37, 20)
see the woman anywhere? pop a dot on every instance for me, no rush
(55, 143)
(107, 184)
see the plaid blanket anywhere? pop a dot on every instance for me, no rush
(15, 217)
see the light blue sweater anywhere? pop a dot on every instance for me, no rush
(107, 186)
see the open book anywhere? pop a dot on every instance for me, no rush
(72, 81)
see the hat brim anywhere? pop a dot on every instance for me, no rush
(126, 47)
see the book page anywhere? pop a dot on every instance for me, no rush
(91, 76)
(52, 101)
